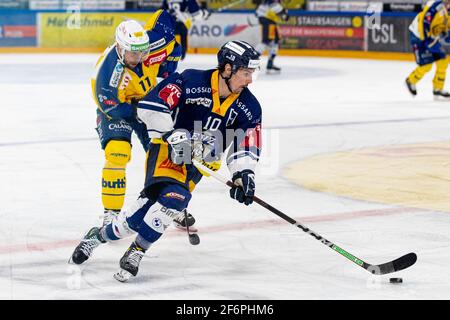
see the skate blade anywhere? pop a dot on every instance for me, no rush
(122, 275)
(441, 98)
(271, 71)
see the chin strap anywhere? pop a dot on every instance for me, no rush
(121, 54)
(227, 80)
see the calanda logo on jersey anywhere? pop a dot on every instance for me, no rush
(205, 30)
(120, 126)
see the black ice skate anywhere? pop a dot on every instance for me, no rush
(129, 263)
(271, 68)
(180, 222)
(411, 87)
(441, 95)
(84, 250)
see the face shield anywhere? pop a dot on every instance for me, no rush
(255, 65)
(136, 54)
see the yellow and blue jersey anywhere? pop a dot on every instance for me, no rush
(183, 10)
(271, 10)
(431, 23)
(116, 87)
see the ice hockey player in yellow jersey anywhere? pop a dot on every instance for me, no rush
(429, 27)
(125, 73)
(270, 13)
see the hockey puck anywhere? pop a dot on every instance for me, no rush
(395, 280)
(194, 239)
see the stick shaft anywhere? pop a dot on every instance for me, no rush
(285, 217)
(232, 4)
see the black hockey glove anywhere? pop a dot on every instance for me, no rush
(206, 14)
(285, 15)
(179, 146)
(244, 188)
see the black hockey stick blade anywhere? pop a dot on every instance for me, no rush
(401, 263)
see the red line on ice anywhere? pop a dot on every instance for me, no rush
(45, 246)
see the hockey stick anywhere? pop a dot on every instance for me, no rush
(251, 23)
(232, 4)
(389, 267)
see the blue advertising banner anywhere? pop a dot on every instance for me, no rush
(17, 29)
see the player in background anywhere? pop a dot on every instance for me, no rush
(125, 73)
(201, 114)
(185, 12)
(270, 13)
(427, 29)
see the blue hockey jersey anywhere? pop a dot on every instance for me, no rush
(190, 101)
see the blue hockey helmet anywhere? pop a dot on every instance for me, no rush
(239, 54)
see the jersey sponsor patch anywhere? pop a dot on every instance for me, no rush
(175, 195)
(170, 94)
(252, 138)
(104, 100)
(155, 58)
(117, 74)
(167, 164)
(125, 81)
(157, 44)
(199, 101)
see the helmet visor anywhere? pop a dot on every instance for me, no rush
(137, 54)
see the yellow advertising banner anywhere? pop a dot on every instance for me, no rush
(82, 30)
(250, 4)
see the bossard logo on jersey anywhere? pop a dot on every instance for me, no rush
(244, 108)
(117, 74)
(204, 30)
(199, 101)
(198, 90)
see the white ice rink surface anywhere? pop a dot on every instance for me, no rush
(50, 169)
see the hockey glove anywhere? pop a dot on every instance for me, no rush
(179, 146)
(285, 15)
(206, 14)
(244, 188)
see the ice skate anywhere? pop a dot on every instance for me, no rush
(87, 245)
(129, 263)
(441, 95)
(271, 68)
(411, 87)
(108, 216)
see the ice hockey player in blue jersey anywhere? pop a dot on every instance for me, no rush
(270, 13)
(184, 12)
(202, 115)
